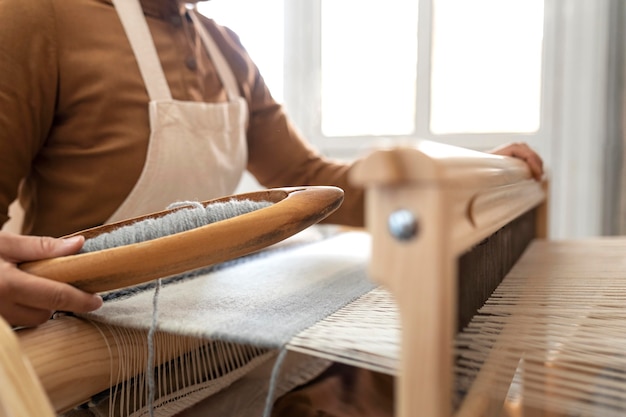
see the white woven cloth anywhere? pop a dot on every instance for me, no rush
(263, 300)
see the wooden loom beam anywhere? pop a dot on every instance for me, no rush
(74, 359)
(425, 206)
(22, 394)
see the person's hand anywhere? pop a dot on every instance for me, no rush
(525, 153)
(29, 300)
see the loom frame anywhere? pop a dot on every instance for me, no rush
(459, 196)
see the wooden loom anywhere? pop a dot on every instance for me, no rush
(426, 206)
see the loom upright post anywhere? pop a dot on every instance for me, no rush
(412, 258)
(22, 395)
(425, 205)
(420, 272)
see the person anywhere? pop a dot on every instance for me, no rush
(114, 108)
(78, 104)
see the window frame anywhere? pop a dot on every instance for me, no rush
(573, 137)
(303, 88)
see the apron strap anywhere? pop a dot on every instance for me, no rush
(222, 67)
(138, 33)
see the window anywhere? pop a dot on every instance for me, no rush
(260, 27)
(473, 73)
(352, 71)
(466, 73)
(368, 67)
(486, 66)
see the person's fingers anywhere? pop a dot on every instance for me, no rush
(536, 167)
(36, 295)
(17, 248)
(524, 152)
(41, 293)
(26, 299)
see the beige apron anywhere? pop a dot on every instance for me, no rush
(197, 151)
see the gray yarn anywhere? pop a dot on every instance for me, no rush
(269, 398)
(178, 221)
(150, 365)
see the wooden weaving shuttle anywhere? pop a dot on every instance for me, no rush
(293, 210)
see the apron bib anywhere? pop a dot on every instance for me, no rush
(197, 151)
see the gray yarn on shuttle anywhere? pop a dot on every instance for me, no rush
(182, 220)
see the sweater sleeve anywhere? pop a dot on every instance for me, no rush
(278, 154)
(28, 82)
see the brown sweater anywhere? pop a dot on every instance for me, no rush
(74, 111)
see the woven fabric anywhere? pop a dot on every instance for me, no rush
(263, 300)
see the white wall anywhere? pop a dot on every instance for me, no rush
(576, 156)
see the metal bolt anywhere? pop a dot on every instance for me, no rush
(402, 225)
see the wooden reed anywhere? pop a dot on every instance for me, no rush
(483, 267)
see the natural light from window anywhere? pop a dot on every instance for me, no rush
(486, 63)
(369, 67)
(486, 66)
(259, 25)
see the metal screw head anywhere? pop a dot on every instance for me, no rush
(402, 225)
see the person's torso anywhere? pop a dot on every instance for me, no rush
(102, 111)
